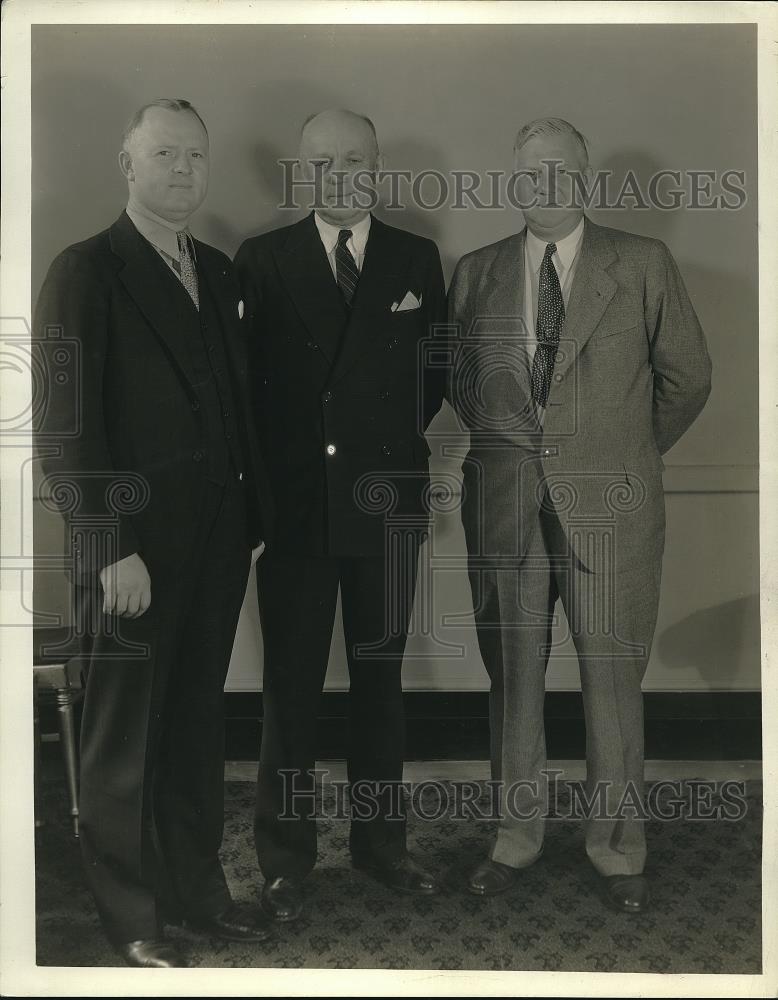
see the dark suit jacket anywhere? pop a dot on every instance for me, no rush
(354, 380)
(122, 412)
(631, 375)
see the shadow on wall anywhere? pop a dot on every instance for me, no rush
(717, 642)
(627, 212)
(416, 156)
(267, 179)
(88, 164)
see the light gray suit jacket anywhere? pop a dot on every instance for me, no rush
(631, 375)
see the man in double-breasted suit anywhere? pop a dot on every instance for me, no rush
(579, 362)
(339, 305)
(157, 458)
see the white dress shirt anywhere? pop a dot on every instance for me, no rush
(356, 242)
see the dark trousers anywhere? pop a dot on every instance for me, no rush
(152, 737)
(297, 599)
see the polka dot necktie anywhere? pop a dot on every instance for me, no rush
(186, 268)
(346, 272)
(551, 315)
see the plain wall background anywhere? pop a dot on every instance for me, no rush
(452, 97)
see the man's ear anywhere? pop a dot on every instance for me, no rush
(380, 164)
(125, 165)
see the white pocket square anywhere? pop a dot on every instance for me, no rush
(240, 309)
(409, 302)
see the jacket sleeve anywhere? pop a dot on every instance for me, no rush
(249, 279)
(459, 323)
(259, 505)
(679, 354)
(435, 305)
(70, 341)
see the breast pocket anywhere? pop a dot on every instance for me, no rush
(623, 328)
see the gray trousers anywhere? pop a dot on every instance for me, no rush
(611, 608)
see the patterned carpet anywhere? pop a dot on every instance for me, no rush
(705, 916)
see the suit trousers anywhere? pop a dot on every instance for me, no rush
(611, 611)
(152, 734)
(297, 599)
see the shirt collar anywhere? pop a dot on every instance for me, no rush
(158, 231)
(329, 233)
(566, 248)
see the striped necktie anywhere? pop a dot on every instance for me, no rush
(346, 272)
(187, 268)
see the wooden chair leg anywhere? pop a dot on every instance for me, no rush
(38, 792)
(67, 732)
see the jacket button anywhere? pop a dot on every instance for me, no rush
(195, 404)
(310, 343)
(327, 397)
(225, 414)
(331, 449)
(546, 451)
(197, 456)
(558, 378)
(386, 449)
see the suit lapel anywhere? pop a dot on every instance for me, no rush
(225, 306)
(504, 288)
(308, 279)
(379, 286)
(590, 295)
(504, 307)
(159, 295)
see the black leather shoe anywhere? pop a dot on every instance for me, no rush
(403, 875)
(239, 922)
(627, 893)
(282, 899)
(492, 877)
(152, 953)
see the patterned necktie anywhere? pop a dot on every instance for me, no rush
(187, 268)
(551, 315)
(346, 272)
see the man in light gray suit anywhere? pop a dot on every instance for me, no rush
(580, 361)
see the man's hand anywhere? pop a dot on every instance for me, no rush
(257, 552)
(126, 587)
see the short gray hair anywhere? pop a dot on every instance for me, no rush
(169, 103)
(550, 126)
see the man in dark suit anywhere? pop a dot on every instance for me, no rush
(580, 362)
(338, 305)
(163, 432)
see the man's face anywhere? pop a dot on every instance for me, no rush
(166, 164)
(546, 165)
(338, 152)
